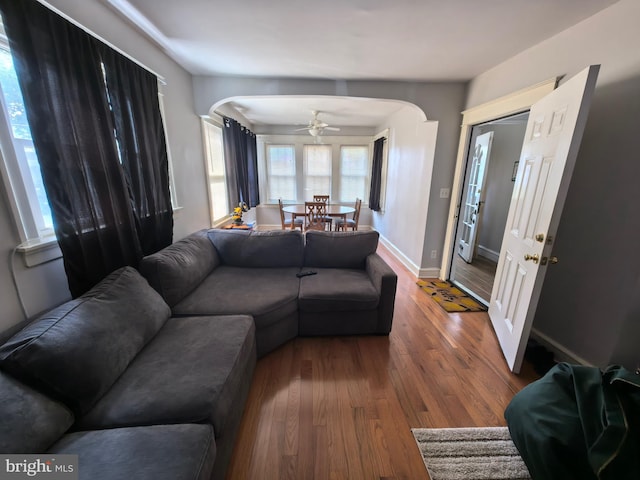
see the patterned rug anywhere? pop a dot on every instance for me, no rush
(450, 298)
(470, 453)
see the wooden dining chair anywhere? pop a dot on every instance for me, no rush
(324, 198)
(293, 223)
(315, 215)
(350, 222)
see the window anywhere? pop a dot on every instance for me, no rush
(281, 172)
(218, 197)
(354, 172)
(21, 168)
(294, 169)
(317, 170)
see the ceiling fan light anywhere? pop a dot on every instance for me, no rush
(314, 132)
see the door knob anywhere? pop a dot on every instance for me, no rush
(540, 237)
(553, 260)
(534, 258)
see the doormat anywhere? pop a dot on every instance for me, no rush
(470, 453)
(451, 298)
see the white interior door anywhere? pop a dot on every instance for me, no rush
(473, 198)
(552, 139)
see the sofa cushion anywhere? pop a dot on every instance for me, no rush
(76, 351)
(30, 422)
(337, 290)
(190, 373)
(339, 249)
(266, 249)
(177, 269)
(267, 294)
(158, 452)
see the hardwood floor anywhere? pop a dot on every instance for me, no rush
(477, 277)
(342, 407)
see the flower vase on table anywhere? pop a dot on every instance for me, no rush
(236, 215)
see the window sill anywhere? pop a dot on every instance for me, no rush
(39, 251)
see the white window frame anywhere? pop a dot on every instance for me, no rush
(218, 214)
(37, 241)
(307, 176)
(269, 175)
(366, 178)
(175, 204)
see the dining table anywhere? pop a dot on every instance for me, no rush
(298, 210)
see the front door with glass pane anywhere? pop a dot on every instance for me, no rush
(473, 199)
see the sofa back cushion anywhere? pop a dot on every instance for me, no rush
(31, 422)
(75, 352)
(175, 271)
(339, 249)
(269, 249)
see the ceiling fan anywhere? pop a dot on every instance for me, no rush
(316, 126)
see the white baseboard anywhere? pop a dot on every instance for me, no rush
(560, 353)
(487, 253)
(432, 272)
(402, 258)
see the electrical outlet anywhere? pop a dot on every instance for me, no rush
(434, 254)
(444, 193)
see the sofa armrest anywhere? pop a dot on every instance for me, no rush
(385, 280)
(176, 270)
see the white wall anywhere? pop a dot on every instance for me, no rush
(586, 305)
(403, 221)
(46, 285)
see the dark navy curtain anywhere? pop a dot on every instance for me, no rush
(96, 182)
(376, 175)
(133, 92)
(241, 163)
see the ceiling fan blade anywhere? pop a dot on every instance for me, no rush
(301, 129)
(335, 129)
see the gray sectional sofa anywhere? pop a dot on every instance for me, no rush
(103, 376)
(222, 272)
(146, 375)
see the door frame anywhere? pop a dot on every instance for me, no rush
(510, 104)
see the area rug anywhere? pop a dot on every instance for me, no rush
(451, 298)
(470, 453)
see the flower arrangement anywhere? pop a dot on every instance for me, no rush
(236, 215)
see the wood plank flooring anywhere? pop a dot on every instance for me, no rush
(477, 277)
(342, 407)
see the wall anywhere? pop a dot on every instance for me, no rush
(403, 221)
(46, 285)
(586, 305)
(441, 102)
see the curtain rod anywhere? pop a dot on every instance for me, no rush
(106, 42)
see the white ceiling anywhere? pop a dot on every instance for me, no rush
(402, 40)
(296, 110)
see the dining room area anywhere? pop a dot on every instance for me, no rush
(309, 215)
(319, 214)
